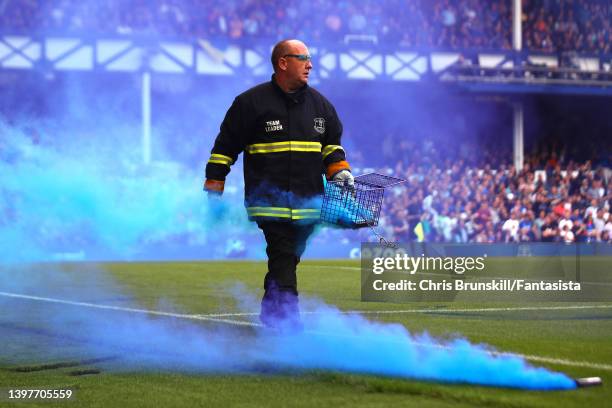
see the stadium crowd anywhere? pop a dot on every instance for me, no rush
(582, 25)
(567, 26)
(549, 200)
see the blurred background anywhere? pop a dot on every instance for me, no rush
(496, 112)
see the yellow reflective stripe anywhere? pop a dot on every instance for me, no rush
(327, 150)
(219, 162)
(269, 212)
(293, 146)
(276, 209)
(305, 216)
(264, 214)
(281, 212)
(302, 213)
(285, 147)
(220, 159)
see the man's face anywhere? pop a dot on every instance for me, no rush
(297, 64)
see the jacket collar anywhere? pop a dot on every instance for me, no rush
(295, 97)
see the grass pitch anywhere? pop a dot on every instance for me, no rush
(560, 336)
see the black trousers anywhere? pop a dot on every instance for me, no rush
(286, 242)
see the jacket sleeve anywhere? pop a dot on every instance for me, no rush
(334, 157)
(230, 142)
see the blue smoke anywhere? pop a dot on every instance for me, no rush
(332, 340)
(99, 204)
(352, 343)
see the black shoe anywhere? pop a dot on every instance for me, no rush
(280, 310)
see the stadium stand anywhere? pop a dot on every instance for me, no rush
(551, 199)
(550, 26)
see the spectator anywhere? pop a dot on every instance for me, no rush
(511, 228)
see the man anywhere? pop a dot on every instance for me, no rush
(290, 135)
(511, 228)
(549, 229)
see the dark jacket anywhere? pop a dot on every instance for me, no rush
(288, 140)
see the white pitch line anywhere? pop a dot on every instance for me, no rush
(433, 311)
(215, 315)
(558, 361)
(127, 309)
(542, 359)
(484, 309)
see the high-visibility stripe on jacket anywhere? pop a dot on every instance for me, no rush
(284, 213)
(221, 159)
(330, 149)
(289, 146)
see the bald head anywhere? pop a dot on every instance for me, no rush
(285, 47)
(292, 64)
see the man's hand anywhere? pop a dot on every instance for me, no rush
(345, 177)
(217, 209)
(214, 188)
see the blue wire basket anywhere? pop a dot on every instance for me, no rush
(359, 205)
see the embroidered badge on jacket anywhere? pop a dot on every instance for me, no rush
(319, 125)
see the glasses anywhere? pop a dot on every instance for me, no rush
(301, 57)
